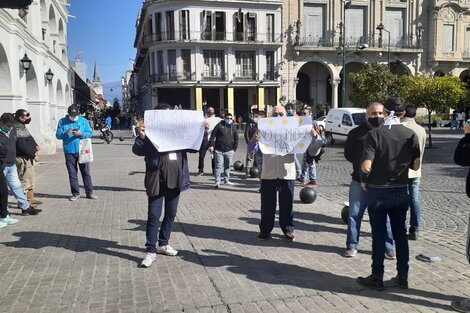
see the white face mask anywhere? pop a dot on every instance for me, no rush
(255, 120)
(73, 119)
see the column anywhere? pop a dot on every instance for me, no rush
(230, 100)
(221, 99)
(334, 91)
(198, 98)
(260, 98)
(278, 95)
(192, 99)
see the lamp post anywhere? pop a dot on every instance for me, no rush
(49, 75)
(342, 48)
(381, 28)
(25, 62)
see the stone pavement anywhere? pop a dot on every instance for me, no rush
(83, 256)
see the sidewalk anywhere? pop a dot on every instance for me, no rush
(83, 256)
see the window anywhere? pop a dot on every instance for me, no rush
(270, 27)
(270, 73)
(152, 64)
(448, 38)
(158, 26)
(467, 42)
(314, 17)
(160, 64)
(172, 64)
(245, 65)
(184, 25)
(245, 26)
(239, 29)
(206, 27)
(346, 121)
(219, 25)
(186, 58)
(355, 25)
(251, 27)
(214, 64)
(395, 24)
(44, 34)
(170, 25)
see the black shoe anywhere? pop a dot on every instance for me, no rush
(262, 236)
(371, 282)
(200, 173)
(461, 305)
(30, 211)
(402, 283)
(413, 236)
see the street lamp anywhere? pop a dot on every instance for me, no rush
(342, 48)
(49, 75)
(381, 28)
(25, 62)
(345, 55)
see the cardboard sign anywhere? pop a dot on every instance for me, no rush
(172, 130)
(285, 135)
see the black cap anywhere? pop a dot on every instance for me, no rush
(73, 110)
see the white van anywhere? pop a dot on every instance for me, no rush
(340, 121)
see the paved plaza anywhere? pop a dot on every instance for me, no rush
(83, 256)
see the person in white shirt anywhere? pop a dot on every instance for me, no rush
(212, 120)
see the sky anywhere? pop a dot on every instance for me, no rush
(103, 31)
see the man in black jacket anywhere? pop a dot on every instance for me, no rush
(353, 148)
(26, 154)
(224, 140)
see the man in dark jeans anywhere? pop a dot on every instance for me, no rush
(389, 151)
(211, 121)
(462, 157)
(71, 129)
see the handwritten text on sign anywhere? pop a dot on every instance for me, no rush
(171, 130)
(285, 135)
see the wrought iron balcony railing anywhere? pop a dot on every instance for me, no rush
(203, 36)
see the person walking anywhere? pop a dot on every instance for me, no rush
(212, 121)
(353, 148)
(224, 141)
(10, 170)
(309, 168)
(26, 154)
(71, 129)
(389, 151)
(166, 176)
(462, 158)
(414, 177)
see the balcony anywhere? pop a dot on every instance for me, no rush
(213, 75)
(172, 77)
(244, 76)
(204, 36)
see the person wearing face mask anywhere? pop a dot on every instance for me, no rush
(212, 121)
(26, 153)
(10, 171)
(224, 143)
(71, 129)
(414, 177)
(250, 130)
(353, 148)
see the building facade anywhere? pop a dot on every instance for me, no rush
(225, 54)
(40, 33)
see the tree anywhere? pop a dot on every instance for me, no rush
(432, 93)
(374, 82)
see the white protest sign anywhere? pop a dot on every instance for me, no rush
(285, 135)
(171, 130)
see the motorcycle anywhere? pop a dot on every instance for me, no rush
(106, 133)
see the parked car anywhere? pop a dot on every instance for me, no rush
(340, 121)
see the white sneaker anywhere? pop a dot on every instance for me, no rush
(228, 182)
(3, 224)
(9, 220)
(148, 260)
(167, 250)
(350, 253)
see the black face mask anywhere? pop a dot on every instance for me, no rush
(27, 121)
(375, 121)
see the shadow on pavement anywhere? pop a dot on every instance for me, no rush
(113, 188)
(39, 240)
(272, 272)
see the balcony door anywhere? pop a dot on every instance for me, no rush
(355, 25)
(314, 23)
(395, 24)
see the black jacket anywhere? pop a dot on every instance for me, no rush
(9, 142)
(25, 143)
(250, 130)
(462, 157)
(353, 148)
(224, 137)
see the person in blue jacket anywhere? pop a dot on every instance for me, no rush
(71, 129)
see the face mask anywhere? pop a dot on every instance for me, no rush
(255, 120)
(289, 112)
(27, 121)
(375, 121)
(73, 119)
(228, 121)
(5, 128)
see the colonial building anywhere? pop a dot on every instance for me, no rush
(34, 66)
(225, 54)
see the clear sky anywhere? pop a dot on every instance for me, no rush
(103, 31)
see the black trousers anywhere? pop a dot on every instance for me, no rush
(202, 155)
(270, 189)
(3, 194)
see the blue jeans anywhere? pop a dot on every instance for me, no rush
(357, 206)
(298, 167)
(415, 207)
(71, 162)
(312, 170)
(222, 161)
(259, 162)
(11, 174)
(269, 190)
(393, 202)
(155, 205)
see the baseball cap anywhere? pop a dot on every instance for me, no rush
(73, 110)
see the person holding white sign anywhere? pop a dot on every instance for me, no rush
(224, 140)
(166, 176)
(279, 172)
